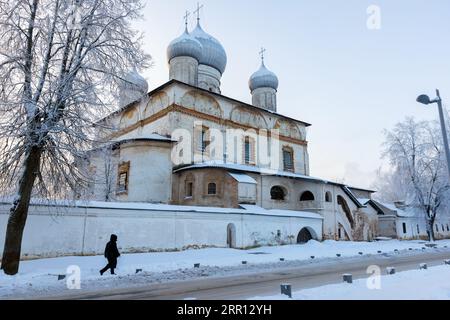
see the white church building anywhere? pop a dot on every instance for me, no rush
(185, 166)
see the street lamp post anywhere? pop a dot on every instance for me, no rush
(424, 99)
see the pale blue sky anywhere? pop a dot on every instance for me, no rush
(349, 82)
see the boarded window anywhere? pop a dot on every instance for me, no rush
(212, 189)
(123, 177)
(288, 159)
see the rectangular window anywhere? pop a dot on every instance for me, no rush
(404, 227)
(189, 189)
(288, 160)
(123, 177)
(249, 151)
(201, 141)
(418, 229)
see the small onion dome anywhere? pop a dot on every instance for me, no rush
(263, 78)
(184, 46)
(213, 53)
(133, 80)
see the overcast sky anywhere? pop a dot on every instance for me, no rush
(348, 81)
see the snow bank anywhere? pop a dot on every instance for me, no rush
(431, 284)
(41, 275)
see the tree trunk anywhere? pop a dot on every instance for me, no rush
(19, 212)
(430, 227)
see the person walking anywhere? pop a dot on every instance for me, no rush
(111, 253)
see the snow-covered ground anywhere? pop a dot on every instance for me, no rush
(40, 276)
(430, 284)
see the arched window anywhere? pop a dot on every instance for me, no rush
(212, 189)
(307, 196)
(277, 193)
(328, 197)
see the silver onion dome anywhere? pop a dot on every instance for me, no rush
(263, 78)
(213, 53)
(134, 81)
(132, 88)
(184, 46)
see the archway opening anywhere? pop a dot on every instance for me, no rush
(304, 236)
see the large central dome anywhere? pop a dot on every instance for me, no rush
(213, 54)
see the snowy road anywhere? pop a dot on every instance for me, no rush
(262, 284)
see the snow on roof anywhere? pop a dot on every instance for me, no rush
(407, 212)
(363, 200)
(153, 136)
(242, 178)
(402, 212)
(276, 212)
(250, 210)
(247, 168)
(390, 206)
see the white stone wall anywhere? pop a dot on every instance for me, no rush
(57, 231)
(149, 176)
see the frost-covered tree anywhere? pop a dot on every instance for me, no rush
(416, 153)
(60, 64)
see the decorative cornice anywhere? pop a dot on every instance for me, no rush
(199, 115)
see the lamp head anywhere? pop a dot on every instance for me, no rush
(424, 99)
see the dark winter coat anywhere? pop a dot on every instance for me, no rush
(111, 251)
